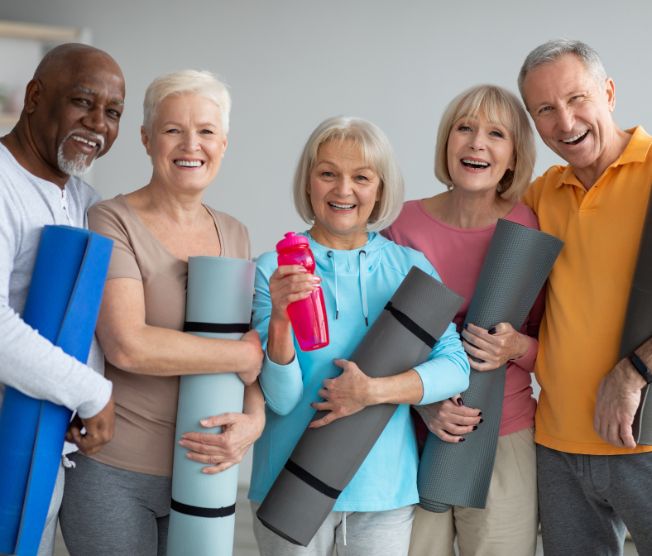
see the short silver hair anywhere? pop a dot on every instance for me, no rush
(376, 151)
(555, 49)
(202, 83)
(499, 106)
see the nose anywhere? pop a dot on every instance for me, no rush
(477, 141)
(565, 119)
(190, 141)
(344, 186)
(95, 120)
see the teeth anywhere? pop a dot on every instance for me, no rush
(475, 163)
(80, 139)
(343, 207)
(188, 163)
(574, 138)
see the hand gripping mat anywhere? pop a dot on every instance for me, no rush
(517, 264)
(62, 305)
(218, 305)
(325, 459)
(638, 325)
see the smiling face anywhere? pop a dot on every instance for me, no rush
(343, 191)
(74, 116)
(572, 112)
(479, 152)
(186, 142)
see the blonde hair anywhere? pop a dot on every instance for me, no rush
(376, 151)
(500, 106)
(202, 83)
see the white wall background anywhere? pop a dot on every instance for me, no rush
(292, 63)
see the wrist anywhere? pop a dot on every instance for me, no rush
(640, 368)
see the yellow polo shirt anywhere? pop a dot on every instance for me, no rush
(588, 290)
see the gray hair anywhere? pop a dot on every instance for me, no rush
(502, 107)
(376, 151)
(555, 49)
(202, 83)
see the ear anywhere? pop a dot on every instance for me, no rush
(144, 139)
(33, 93)
(225, 144)
(611, 93)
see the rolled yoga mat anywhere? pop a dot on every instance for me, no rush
(517, 264)
(325, 459)
(218, 305)
(62, 305)
(638, 325)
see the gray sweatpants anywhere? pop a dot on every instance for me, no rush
(586, 502)
(384, 533)
(108, 511)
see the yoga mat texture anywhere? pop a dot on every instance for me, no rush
(517, 264)
(325, 459)
(62, 305)
(638, 325)
(218, 305)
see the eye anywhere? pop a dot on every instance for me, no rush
(327, 174)
(206, 131)
(576, 97)
(82, 101)
(362, 178)
(171, 131)
(497, 133)
(114, 114)
(543, 110)
(464, 127)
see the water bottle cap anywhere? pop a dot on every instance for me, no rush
(291, 240)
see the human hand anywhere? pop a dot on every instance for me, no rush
(98, 430)
(344, 395)
(618, 397)
(490, 349)
(290, 283)
(219, 451)
(450, 419)
(254, 361)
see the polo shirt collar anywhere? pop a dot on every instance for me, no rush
(635, 151)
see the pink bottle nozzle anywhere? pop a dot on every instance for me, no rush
(291, 240)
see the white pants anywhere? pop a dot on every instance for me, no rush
(46, 548)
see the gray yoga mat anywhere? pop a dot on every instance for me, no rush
(517, 264)
(638, 325)
(218, 305)
(325, 459)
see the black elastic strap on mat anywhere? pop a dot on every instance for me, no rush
(311, 480)
(201, 512)
(216, 328)
(411, 325)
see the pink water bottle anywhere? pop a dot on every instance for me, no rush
(308, 316)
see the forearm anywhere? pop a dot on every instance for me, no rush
(280, 344)
(153, 350)
(405, 387)
(33, 365)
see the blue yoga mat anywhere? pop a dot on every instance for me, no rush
(218, 305)
(62, 304)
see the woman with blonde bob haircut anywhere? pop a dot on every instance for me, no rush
(347, 183)
(118, 501)
(485, 156)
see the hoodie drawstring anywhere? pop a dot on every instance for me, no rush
(331, 256)
(362, 261)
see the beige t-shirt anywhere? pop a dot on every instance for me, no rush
(146, 405)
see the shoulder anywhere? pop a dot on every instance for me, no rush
(227, 221)
(234, 232)
(402, 258)
(85, 194)
(543, 184)
(267, 262)
(111, 214)
(522, 214)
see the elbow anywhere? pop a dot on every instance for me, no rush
(123, 354)
(282, 403)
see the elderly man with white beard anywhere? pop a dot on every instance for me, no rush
(70, 118)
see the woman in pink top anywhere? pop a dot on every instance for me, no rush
(485, 156)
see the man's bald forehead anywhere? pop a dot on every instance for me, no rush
(70, 56)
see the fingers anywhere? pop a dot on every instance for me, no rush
(326, 419)
(291, 283)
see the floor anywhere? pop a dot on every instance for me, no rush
(245, 545)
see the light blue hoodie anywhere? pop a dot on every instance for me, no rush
(357, 284)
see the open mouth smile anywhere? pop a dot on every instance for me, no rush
(189, 163)
(475, 164)
(576, 138)
(341, 206)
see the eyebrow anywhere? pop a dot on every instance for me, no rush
(92, 92)
(370, 168)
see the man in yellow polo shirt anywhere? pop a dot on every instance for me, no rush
(593, 478)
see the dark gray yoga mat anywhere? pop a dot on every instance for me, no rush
(514, 271)
(325, 459)
(638, 325)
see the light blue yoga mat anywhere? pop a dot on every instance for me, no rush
(62, 304)
(218, 305)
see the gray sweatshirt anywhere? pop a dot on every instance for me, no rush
(29, 362)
